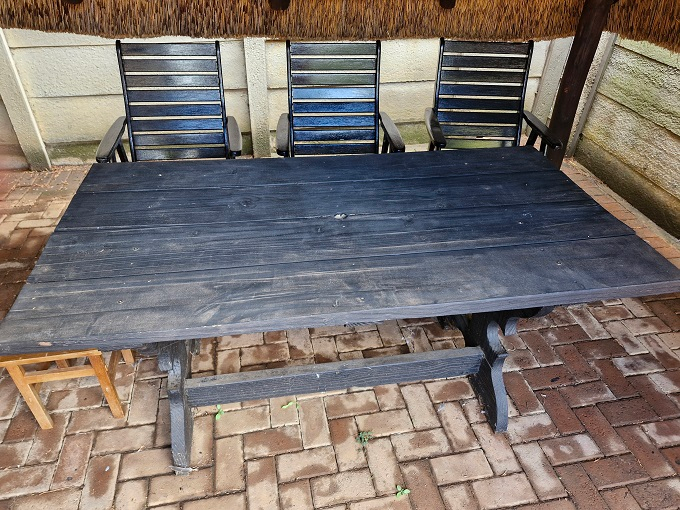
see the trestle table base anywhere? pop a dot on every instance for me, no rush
(482, 358)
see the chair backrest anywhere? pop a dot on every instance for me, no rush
(174, 100)
(333, 97)
(479, 96)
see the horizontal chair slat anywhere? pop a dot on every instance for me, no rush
(334, 107)
(478, 117)
(481, 90)
(172, 80)
(475, 131)
(472, 143)
(334, 93)
(173, 95)
(482, 76)
(480, 104)
(333, 79)
(332, 64)
(180, 153)
(334, 121)
(334, 148)
(335, 134)
(167, 110)
(485, 47)
(358, 48)
(487, 62)
(176, 124)
(187, 65)
(168, 49)
(142, 139)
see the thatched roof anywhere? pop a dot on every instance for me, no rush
(657, 21)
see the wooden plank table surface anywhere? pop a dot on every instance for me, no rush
(163, 252)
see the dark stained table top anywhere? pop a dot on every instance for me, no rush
(151, 252)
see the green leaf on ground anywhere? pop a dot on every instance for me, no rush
(402, 491)
(364, 437)
(219, 412)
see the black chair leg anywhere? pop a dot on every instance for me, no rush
(121, 153)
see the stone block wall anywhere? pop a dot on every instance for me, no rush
(631, 139)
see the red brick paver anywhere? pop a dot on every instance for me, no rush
(594, 397)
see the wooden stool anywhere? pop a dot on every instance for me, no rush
(29, 382)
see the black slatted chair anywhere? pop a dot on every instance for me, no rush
(479, 97)
(174, 104)
(333, 105)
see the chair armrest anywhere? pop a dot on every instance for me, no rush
(392, 139)
(434, 129)
(235, 138)
(538, 128)
(112, 143)
(283, 136)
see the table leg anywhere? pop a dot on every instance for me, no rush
(175, 359)
(481, 330)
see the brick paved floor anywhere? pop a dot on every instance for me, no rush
(595, 410)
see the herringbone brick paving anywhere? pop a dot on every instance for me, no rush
(594, 401)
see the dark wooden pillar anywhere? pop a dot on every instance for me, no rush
(592, 22)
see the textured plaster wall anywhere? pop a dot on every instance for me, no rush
(631, 138)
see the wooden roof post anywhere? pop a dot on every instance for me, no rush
(590, 26)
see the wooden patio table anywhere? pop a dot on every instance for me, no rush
(154, 254)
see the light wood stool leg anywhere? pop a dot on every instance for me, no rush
(128, 357)
(39, 367)
(30, 396)
(114, 360)
(109, 389)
